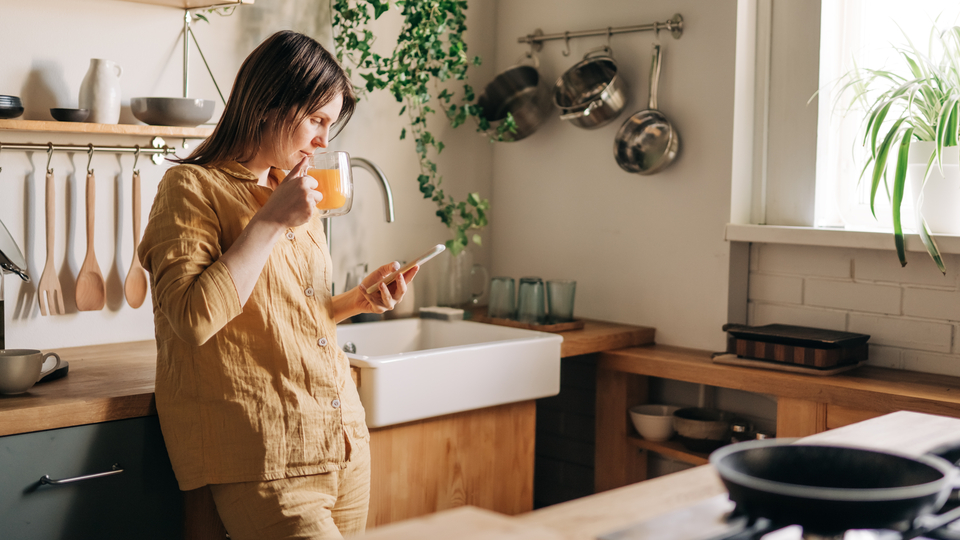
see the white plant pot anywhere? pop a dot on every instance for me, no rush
(940, 205)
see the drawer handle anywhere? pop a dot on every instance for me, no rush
(47, 480)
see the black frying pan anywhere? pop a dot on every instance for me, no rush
(829, 489)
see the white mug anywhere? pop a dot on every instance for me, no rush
(20, 369)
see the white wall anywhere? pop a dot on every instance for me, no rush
(911, 312)
(644, 250)
(47, 45)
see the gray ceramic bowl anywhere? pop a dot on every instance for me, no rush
(70, 115)
(702, 430)
(167, 111)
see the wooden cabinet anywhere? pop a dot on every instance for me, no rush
(142, 502)
(806, 404)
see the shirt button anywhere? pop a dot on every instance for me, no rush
(308, 291)
(290, 235)
(335, 403)
(322, 342)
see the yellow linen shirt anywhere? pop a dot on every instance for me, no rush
(254, 392)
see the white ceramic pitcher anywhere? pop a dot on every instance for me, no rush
(100, 91)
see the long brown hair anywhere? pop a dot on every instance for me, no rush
(284, 80)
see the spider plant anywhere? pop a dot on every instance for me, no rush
(921, 106)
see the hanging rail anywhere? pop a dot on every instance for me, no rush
(674, 25)
(158, 150)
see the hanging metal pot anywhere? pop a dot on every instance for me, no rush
(591, 93)
(647, 142)
(520, 91)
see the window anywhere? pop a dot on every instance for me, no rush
(865, 32)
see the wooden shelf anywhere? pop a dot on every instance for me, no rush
(191, 4)
(670, 449)
(39, 126)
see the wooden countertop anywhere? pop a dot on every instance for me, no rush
(866, 387)
(662, 499)
(116, 381)
(104, 383)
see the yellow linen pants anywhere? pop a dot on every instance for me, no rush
(328, 505)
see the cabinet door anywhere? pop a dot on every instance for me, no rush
(142, 502)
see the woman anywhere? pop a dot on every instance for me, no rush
(255, 398)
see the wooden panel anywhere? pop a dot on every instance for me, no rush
(799, 417)
(589, 517)
(839, 416)
(480, 458)
(868, 388)
(599, 336)
(465, 523)
(617, 463)
(200, 518)
(40, 126)
(105, 382)
(670, 449)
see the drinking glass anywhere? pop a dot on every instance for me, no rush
(530, 301)
(560, 294)
(502, 298)
(334, 180)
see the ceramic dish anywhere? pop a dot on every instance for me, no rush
(10, 112)
(167, 111)
(70, 115)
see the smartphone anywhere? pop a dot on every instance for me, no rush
(392, 276)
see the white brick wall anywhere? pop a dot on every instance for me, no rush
(911, 313)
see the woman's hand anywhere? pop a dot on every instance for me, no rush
(294, 200)
(386, 296)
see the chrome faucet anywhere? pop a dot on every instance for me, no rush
(371, 167)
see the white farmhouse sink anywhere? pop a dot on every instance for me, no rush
(420, 368)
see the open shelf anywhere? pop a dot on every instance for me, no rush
(192, 4)
(670, 449)
(39, 126)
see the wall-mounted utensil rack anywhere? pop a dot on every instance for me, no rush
(674, 25)
(157, 149)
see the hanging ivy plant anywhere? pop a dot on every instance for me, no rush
(430, 51)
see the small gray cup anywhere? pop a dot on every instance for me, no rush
(502, 303)
(530, 306)
(20, 369)
(560, 295)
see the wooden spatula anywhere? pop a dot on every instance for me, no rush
(91, 291)
(48, 289)
(135, 286)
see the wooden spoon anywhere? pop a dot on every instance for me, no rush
(91, 291)
(135, 286)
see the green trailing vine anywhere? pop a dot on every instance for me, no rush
(430, 50)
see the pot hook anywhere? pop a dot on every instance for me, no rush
(89, 158)
(136, 157)
(49, 157)
(566, 40)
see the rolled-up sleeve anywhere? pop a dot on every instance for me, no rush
(181, 248)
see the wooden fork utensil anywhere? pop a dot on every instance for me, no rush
(48, 289)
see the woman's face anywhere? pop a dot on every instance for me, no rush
(310, 135)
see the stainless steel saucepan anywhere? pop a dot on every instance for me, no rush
(592, 93)
(523, 93)
(647, 142)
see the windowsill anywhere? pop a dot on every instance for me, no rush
(828, 237)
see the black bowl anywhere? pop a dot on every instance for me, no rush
(70, 115)
(10, 112)
(13, 101)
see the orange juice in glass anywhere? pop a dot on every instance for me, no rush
(334, 180)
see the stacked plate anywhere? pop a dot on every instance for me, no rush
(10, 107)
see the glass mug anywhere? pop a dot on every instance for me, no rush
(530, 305)
(334, 177)
(502, 301)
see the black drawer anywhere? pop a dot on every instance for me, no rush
(142, 502)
